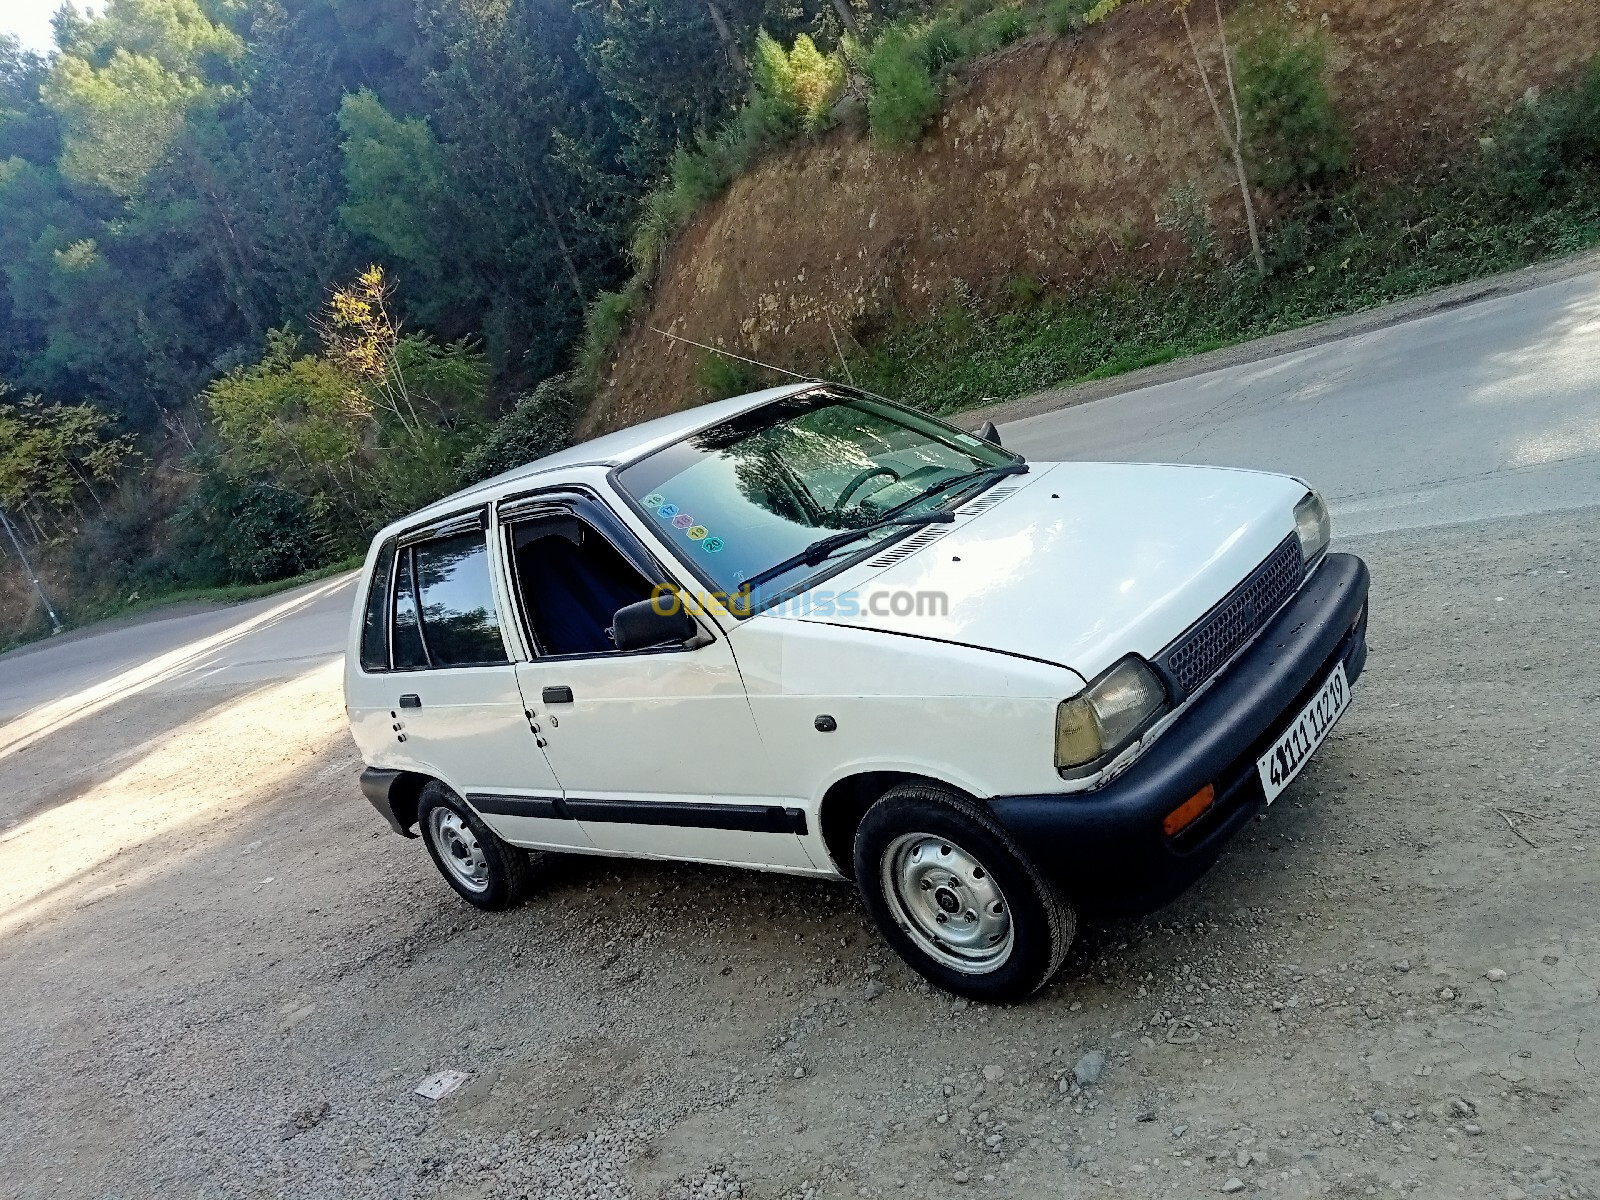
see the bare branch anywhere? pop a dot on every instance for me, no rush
(1232, 139)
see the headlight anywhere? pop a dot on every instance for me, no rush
(1312, 523)
(1112, 711)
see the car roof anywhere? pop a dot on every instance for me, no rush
(611, 450)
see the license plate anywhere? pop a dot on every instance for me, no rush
(1290, 753)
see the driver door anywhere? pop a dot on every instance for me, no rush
(656, 750)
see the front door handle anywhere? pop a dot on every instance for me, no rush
(411, 700)
(557, 695)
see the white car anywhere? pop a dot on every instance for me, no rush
(810, 631)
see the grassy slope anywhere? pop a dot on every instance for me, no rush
(1351, 254)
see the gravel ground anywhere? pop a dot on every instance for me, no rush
(221, 976)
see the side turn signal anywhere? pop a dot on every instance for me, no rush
(1190, 811)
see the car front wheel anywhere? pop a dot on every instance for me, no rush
(955, 896)
(484, 870)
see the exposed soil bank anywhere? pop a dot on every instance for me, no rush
(1053, 160)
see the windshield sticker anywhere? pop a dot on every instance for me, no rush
(682, 520)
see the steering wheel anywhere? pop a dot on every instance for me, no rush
(854, 485)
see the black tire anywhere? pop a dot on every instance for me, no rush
(1041, 923)
(505, 869)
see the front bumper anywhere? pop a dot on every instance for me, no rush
(1106, 849)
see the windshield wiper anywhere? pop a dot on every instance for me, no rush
(819, 550)
(944, 485)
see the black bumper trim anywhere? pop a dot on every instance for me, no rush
(1106, 849)
(548, 807)
(377, 785)
(749, 818)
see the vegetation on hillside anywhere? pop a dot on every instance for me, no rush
(52, 456)
(1531, 191)
(275, 271)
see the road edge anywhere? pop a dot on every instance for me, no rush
(1305, 337)
(167, 612)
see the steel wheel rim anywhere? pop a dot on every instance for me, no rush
(458, 849)
(947, 902)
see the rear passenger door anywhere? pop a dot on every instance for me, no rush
(455, 705)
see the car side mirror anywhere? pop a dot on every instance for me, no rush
(989, 433)
(641, 626)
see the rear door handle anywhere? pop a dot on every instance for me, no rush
(557, 695)
(411, 700)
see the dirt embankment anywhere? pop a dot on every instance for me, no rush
(1053, 161)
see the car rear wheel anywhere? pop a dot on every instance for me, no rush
(956, 897)
(484, 870)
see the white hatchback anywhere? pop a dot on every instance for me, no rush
(810, 631)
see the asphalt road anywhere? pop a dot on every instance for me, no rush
(1489, 410)
(49, 684)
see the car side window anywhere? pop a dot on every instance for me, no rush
(374, 627)
(454, 603)
(571, 581)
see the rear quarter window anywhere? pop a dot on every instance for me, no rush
(374, 626)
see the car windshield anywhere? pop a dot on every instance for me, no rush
(737, 498)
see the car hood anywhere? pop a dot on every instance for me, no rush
(1076, 564)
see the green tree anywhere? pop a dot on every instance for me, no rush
(540, 423)
(52, 456)
(28, 128)
(1292, 133)
(394, 174)
(278, 159)
(370, 427)
(118, 303)
(294, 417)
(904, 97)
(125, 81)
(255, 530)
(802, 79)
(127, 275)
(537, 191)
(674, 69)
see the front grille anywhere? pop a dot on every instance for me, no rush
(1200, 652)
